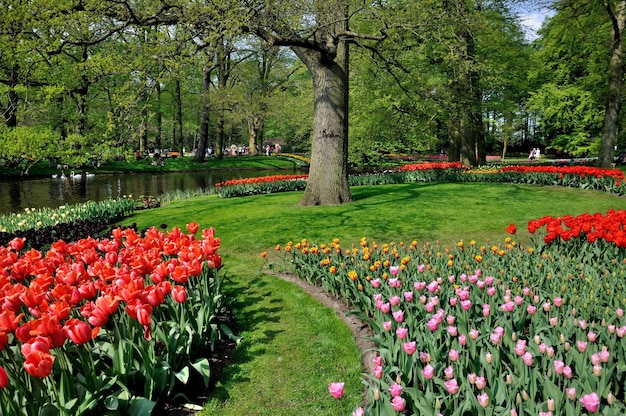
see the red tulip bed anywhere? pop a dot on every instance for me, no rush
(487, 330)
(584, 177)
(107, 326)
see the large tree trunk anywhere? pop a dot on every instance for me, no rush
(255, 133)
(158, 117)
(613, 101)
(204, 117)
(178, 118)
(328, 172)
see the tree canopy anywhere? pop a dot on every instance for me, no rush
(346, 81)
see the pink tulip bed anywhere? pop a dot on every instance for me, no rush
(108, 326)
(487, 329)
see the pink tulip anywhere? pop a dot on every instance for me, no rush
(375, 283)
(528, 359)
(583, 324)
(448, 372)
(486, 309)
(591, 402)
(483, 399)
(491, 291)
(432, 324)
(559, 366)
(471, 378)
(419, 286)
(531, 309)
(513, 412)
(619, 312)
(611, 328)
(597, 370)
(595, 359)
(387, 325)
(336, 390)
(466, 305)
(545, 413)
(408, 296)
(359, 412)
(591, 336)
(604, 356)
(453, 301)
(488, 357)
(395, 389)
(378, 372)
(421, 268)
(401, 333)
(520, 347)
(409, 347)
(385, 308)
(398, 404)
(508, 307)
(495, 338)
(378, 360)
(546, 306)
(481, 382)
(567, 372)
(499, 330)
(462, 339)
(558, 302)
(428, 372)
(490, 280)
(554, 321)
(453, 331)
(395, 300)
(429, 307)
(424, 357)
(518, 300)
(395, 283)
(394, 270)
(452, 386)
(621, 331)
(570, 392)
(581, 346)
(453, 355)
(473, 334)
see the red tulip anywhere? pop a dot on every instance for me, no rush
(17, 243)
(78, 331)
(511, 229)
(179, 294)
(193, 227)
(4, 340)
(4, 378)
(39, 364)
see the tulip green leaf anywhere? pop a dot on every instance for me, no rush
(203, 367)
(183, 375)
(140, 406)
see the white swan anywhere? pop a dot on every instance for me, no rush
(89, 175)
(62, 175)
(75, 175)
(55, 176)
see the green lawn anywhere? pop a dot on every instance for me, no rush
(293, 347)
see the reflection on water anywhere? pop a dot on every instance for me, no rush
(16, 195)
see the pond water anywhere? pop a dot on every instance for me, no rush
(16, 195)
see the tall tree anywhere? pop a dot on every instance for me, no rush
(616, 11)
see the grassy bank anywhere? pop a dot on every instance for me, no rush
(178, 164)
(293, 347)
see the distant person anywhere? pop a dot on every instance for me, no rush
(268, 150)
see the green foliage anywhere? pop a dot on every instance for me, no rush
(24, 147)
